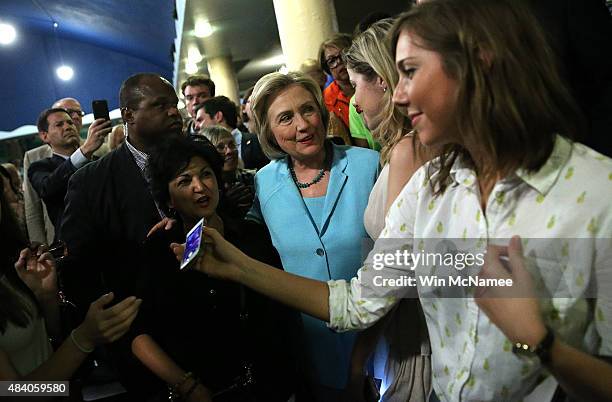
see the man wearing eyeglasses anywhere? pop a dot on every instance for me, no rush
(74, 109)
(39, 225)
(76, 113)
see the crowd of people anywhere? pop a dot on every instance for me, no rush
(438, 129)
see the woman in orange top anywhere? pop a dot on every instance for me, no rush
(337, 95)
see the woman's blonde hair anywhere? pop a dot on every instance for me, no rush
(265, 90)
(369, 55)
(216, 133)
(511, 102)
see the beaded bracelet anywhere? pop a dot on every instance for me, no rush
(81, 348)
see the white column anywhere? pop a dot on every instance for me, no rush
(302, 26)
(222, 72)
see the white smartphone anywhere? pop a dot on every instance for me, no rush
(193, 244)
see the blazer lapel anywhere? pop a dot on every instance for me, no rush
(337, 180)
(292, 194)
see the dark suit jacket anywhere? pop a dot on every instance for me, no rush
(109, 211)
(49, 177)
(188, 128)
(579, 32)
(251, 153)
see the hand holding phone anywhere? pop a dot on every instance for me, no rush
(98, 130)
(193, 244)
(100, 109)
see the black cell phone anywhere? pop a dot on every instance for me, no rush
(100, 109)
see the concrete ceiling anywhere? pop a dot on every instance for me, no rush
(247, 31)
(105, 41)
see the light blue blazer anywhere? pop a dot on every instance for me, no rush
(333, 252)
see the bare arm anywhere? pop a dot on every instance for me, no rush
(37, 269)
(51, 311)
(225, 261)
(582, 376)
(151, 355)
(60, 366)
(402, 165)
(307, 295)
(100, 326)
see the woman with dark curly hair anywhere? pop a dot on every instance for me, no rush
(204, 337)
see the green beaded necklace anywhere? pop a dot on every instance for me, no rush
(328, 157)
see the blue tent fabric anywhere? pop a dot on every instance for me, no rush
(103, 41)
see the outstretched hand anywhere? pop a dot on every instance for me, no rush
(104, 325)
(37, 270)
(514, 310)
(219, 258)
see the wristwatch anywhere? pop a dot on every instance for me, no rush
(541, 350)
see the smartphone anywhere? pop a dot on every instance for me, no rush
(193, 244)
(100, 109)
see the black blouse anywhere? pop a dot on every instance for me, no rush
(197, 321)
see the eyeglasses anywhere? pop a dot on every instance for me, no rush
(75, 111)
(231, 145)
(334, 61)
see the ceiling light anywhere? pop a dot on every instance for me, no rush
(275, 60)
(65, 73)
(191, 68)
(193, 55)
(7, 34)
(203, 29)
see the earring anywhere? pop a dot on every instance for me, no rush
(384, 89)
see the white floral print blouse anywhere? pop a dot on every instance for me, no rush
(567, 203)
